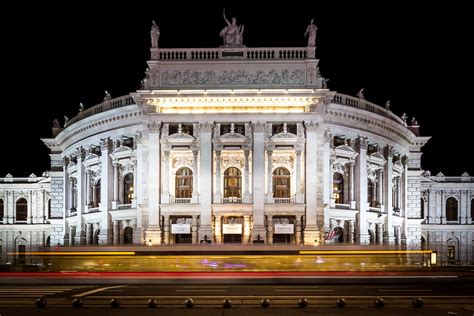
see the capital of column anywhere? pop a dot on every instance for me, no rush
(258, 127)
(205, 127)
(361, 143)
(154, 127)
(105, 144)
(388, 152)
(311, 126)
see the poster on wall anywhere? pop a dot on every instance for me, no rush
(180, 229)
(284, 229)
(232, 229)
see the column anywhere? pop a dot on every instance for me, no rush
(298, 230)
(67, 201)
(29, 216)
(89, 232)
(380, 189)
(351, 232)
(246, 236)
(246, 198)
(88, 190)
(379, 233)
(115, 185)
(42, 214)
(403, 200)
(431, 216)
(270, 198)
(165, 179)
(388, 190)
(311, 230)
(195, 195)
(258, 176)
(153, 231)
(298, 191)
(116, 232)
(108, 189)
(218, 230)
(269, 229)
(205, 178)
(141, 180)
(166, 230)
(194, 229)
(362, 235)
(80, 237)
(352, 201)
(218, 194)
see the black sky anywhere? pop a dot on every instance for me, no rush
(59, 55)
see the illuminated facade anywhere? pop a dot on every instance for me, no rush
(236, 145)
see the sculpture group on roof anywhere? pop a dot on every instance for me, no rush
(232, 33)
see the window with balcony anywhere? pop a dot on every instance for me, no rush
(21, 210)
(281, 183)
(451, 209)
(184, 183)
(338, 188)
(232, 183)
(128, 193)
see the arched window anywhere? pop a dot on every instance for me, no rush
(370, 193)
(472, 211)
(96, 194)
(281, 183)
(21, 210)
(338, 188)
(422, 208)
(451, 209)
(232, 183)
(1, 210)
(184, 183)
(128, 189)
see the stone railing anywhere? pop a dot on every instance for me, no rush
(233, 53)
(284, 200)
(232, 200)
(363, 104)
(124, 206)
(180, 200)
(102, 107)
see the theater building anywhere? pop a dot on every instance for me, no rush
(236, 145)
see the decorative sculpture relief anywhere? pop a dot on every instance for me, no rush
(233, 77)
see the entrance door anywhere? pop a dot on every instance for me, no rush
(183, 238)
(232, 238)
(281, 238)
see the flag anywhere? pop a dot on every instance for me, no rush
(330, 235)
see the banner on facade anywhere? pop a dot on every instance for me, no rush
(284, 229)
(180, 229)
(232, 229)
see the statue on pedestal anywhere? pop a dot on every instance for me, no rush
(232, 33)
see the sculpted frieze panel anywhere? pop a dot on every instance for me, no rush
(233, 77)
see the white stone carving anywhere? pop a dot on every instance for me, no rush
(233, 78)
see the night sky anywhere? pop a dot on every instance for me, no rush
(58, 56)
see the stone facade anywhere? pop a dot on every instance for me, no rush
(235, 145)
(447, 211)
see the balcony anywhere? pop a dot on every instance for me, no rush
(232, 200)
(180, 200)
(284, 200)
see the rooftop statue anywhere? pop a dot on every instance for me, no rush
(232, 33)
(155, 34)
(311, 31)
(360, 94)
